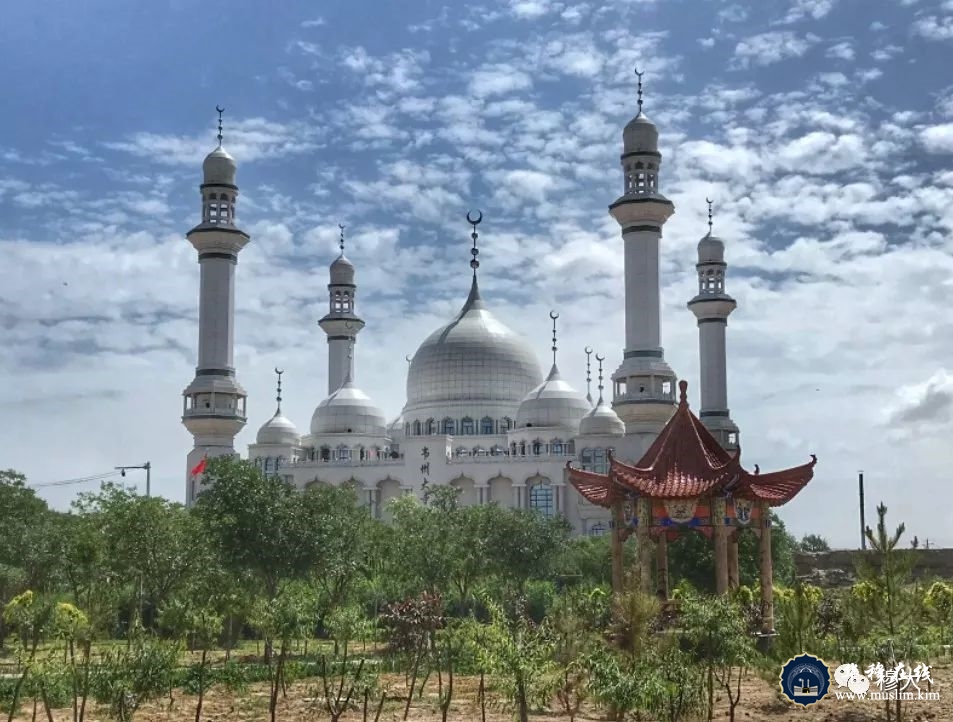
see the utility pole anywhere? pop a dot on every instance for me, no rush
(863, 525)
(148, 468)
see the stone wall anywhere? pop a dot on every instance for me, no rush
(838, 567)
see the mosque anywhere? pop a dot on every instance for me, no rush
(479, 413)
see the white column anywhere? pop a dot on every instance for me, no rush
(714, 377)
(642, 312)
(216, 312)
(339, 362)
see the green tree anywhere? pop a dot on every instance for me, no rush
(258, 524)
(149, 542)
(715, 636)
(691, 557)
(518, 653)
(886, 574)
(813, 543)
(28, 555)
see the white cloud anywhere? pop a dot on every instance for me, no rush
(938, 138)
(498, 80)
(772, 47)
(813, 9)
(928, 402)
(933, 27)
(843, 50)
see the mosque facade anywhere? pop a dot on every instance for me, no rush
(480, 414)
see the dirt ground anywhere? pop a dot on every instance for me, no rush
(760, 702)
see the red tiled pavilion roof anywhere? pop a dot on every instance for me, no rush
(686, 461)
(595, 488)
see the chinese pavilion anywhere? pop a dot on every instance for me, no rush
(687, 480)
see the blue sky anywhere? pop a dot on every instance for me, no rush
(822, 128)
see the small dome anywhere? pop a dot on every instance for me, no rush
(342, 271)
(640, 136)
(553, 403)
(473, 358)
(602, 421)
(278, 430)
(219, 168)
(348, 411)
(711, 250)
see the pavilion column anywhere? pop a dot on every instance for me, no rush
(644, 522)
(734, 579)
(767, 571)
(661, 562)
(618, 527)
(720, 532)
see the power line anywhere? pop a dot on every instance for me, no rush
(78, 480)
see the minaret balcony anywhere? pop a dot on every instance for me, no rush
(635, 209)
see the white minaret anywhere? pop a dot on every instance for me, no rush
(340, 323)
(711, 307)
(644, 385)
(214, 403)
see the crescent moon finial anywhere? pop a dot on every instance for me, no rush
(220, 110)
(709, 201)
(278, 395)
(639, 74)
(474, 263)
(588, 350)
(408, 358)
(553, 315)
(600, 358)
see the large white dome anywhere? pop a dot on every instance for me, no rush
(474, 358)
(553, 403)
(348, 411)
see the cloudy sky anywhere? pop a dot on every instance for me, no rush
(823, 129)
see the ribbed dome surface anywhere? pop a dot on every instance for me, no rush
(472, 358)
(348, 411)
(602, 421)
(219, 167)
(711, 249)
(640, 135)
(553, 403)
(278, 430)
(342, 271)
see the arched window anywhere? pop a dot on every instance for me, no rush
(462, 451)
(541, 499)
(448, 426)
(557, 447)
(597, 529)
(478, 451)
(496, 450)
(537, 447)
(279, 463)
(466, 426)
(344, 453)
(346, 302)
(325, 453)
(431, 427)
(507, 423)
(600, 464)
(486, 425)
(416, 428)
(267, 466)
(258, 462)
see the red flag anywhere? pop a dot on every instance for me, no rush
(199, 467)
